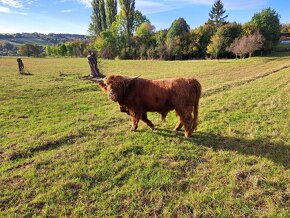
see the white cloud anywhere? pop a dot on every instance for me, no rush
(17, 3)
(8, 11)
(12, 3)
(5, 10)
(87, 3)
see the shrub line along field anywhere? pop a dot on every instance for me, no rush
(66, 150)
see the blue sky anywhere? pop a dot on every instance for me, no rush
(73, 16)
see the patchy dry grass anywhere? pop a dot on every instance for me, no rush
(65, 150)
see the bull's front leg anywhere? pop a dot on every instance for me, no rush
(145, 119)
(179, 125)
(124, 109)
(135, 120)
(163, 115)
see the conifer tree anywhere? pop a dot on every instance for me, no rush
(216, 14)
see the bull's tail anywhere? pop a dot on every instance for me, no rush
(197, 92)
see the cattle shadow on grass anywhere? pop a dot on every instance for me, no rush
(276, 152)
(45, 146)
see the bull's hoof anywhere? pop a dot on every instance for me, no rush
(133, 129)
(187, 135)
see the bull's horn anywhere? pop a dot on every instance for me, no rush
(98, 79)
(134, 77)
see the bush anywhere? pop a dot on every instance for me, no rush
(247, 45)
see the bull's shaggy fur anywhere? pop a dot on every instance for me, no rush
(138, 96)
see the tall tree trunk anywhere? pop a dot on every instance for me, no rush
(92, 59)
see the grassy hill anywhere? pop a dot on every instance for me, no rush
(28, 40)
(66, 150)
(19, 39)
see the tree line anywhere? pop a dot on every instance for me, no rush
(130, 35)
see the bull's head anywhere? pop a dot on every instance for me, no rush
(115, 86)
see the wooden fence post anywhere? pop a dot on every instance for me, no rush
(20, 65)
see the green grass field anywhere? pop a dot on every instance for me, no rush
(66, 150)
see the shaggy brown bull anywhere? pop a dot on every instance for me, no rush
(138, 96)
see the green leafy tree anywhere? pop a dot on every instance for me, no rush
(139, 19)
(81, 48)
(37, 50)
(223, 38)
(177, 28)
(145, 30)
(61, 50)
(248, 29)
(217, 14)
(201, 37)
(69, 49)
(160, 36)
(111, 12)
(30, 50)
(285, 28)
(128, 15)
(177, 39)
(267, 22)
(48, 50)
(95, 27)
(145, 40)
(105, 44)
(160, 47)
(216, 46)
(103, 16)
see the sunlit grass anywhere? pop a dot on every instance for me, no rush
(66, 150)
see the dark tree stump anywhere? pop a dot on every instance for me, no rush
(20, 65)
(92, 59)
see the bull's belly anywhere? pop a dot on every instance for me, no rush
(160, 108)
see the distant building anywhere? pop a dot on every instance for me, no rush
(285, 38)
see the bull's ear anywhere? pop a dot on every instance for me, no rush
(102, 85)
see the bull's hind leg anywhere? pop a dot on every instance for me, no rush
(195, 113)
(187, 120)
(145, 119)
(163, 115)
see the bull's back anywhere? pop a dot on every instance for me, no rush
(150, 95)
